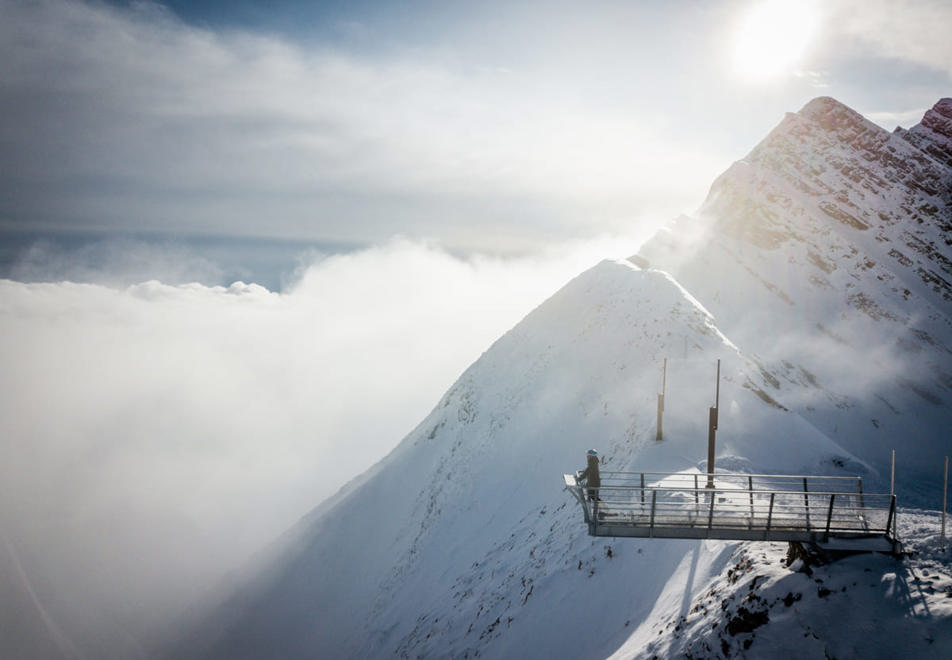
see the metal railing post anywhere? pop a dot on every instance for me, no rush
(769, 516)
(642, 489)
(863, 518)
(829, 516)
(654, 497)
(892, 514)
(750, 487)
(806, 502)
(710, 514)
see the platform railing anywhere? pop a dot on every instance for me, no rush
(768, 482)
(741, 506)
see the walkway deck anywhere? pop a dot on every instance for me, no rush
(832, 511)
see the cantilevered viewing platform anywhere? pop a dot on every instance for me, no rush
(831, 511)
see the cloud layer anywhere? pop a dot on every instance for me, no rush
(154, 436)
(127, 119)
(551, 125)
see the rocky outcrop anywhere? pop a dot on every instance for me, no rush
(933, 134)
(828, 251)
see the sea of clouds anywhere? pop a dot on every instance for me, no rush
(155, 436)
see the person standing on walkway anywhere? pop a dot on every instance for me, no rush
(591, 478)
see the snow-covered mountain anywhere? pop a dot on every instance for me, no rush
(827, 253)
(460, 543)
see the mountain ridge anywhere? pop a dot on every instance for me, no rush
(459, 543)
(827, 247)
(489, 457)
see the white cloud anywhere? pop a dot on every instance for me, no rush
(915, 31)
(154, 436)
(130, 119)
(889, 120)
(116, 262)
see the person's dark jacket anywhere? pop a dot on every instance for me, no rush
(590, 474)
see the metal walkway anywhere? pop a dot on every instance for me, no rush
(831, 511)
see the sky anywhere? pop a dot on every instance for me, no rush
(247, 245)
(490, 127)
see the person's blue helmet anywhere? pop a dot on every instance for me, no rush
(592, 452)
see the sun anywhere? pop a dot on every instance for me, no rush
(772, 37)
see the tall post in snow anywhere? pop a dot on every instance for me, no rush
(712, 428)
(892, 473)
(945, 498)
(664, 382)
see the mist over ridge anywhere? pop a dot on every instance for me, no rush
(158, 435)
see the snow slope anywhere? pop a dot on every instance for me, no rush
(460, 543)
(865, 606)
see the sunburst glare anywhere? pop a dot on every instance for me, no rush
(771, 38)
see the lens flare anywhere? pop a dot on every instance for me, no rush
(772, 38)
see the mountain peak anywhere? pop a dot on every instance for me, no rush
(821, 106)
(835, 117)
(826, 215)
(944, 107)
(934, 133)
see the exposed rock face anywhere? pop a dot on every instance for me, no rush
(828, 248)
(934, 133)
